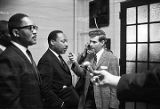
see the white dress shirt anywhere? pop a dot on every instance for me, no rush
(98, 54)
(22, 48)
(57, 55)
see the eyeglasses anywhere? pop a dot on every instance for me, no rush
(30, 27)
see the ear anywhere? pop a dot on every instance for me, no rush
(52, 42)
(15, 32)
(103, 42)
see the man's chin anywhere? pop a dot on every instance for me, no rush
(64, 51)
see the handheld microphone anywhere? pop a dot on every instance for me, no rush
(87, 66)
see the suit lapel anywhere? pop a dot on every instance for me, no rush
(103, 58)
(66, 68)
(20, 53)
(33, 66)
(36, 72)
(57, 61)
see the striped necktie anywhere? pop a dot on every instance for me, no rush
(94, 62)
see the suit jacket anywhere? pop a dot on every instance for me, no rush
(19, 83)
(143, 87)
(57, 82)
(1, 50)
(105, 96)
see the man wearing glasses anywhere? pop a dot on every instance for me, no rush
(19, 78)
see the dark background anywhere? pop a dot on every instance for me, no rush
(99, 9)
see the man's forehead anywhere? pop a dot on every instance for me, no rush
(27, 21)
(61, 36)
(96, 38)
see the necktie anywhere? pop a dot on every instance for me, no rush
(33, 63)
(95, 59)
(61, 59)
(63, 63)
(30, 55)
(95, 62)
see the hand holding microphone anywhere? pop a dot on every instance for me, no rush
(72, 58)
(95, 76)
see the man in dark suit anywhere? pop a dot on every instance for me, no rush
(19, 80)
(4, 35)
(95, 97)
(56, 76)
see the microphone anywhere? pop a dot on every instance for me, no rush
(87, 66)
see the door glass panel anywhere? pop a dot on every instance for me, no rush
(155, 52)
(155, 32)
(141, 67)
(131, 33)
(131, 52)
(142, 52)
(153, 65)
(131, 15)
(155, 12)
(130, 67)
(142, 14)
(142, 44)
(142, 33)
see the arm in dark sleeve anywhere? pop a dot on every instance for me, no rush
(78, 70)
(47, 89)
(9, 85)
(140, 87)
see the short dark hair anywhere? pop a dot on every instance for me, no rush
(53, 35)
(15, 21)
(98, 32)
(4, 33)
(3, 25)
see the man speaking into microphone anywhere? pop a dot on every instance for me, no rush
(96, 57)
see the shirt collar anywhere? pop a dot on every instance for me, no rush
(2, 47)
(57, 55)
(99, 53)
(22, 48)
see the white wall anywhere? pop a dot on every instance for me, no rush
(48, 15)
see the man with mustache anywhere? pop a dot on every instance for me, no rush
(19, 79)
(56, 76)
